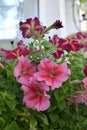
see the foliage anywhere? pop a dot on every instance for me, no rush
(61, 114)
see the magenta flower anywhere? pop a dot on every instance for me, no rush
(71, 45)
(24, 70)
(53, 74)
(20, 50)
(81, 37)
(35, 96)
(58, 53)
(31, 28)
(55, 41)
(66, 44)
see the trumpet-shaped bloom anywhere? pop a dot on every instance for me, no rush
(20, 50)
(71, 44)
(35, 96)
(58, 53)
(55, 41)
(31, 28)
(53, 74)
(24, 70)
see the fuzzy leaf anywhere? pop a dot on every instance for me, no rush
(12, 126)
(33, 123)
(2, 123)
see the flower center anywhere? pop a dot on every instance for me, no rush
(53, 73)
(39, 92)
(23, 71)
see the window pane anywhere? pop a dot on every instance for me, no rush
(10, 13)
(7, 2)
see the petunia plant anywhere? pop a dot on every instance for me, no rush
(43, 85)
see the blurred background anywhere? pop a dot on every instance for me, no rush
(72, 13)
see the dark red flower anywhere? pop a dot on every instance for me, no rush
(58, 53)
(82, 38)
(57, 24)
(20, 50)
(55, 41)
(70, 44)
(85, 70)
(31, 28)
(66, 44)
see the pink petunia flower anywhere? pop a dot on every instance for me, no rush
(82, 98)
(53, 74)
(24, 70)
(35, 96)
(85, 83)
(79, 96)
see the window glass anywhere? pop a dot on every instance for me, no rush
(10, 14)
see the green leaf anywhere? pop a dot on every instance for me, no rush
(83, 1)
(62, 105)
(46, 44)
(33, 123)
(11, 103)
(43, 118)
(12, 126)
(9, 99)
(54, 117)
(2, 122)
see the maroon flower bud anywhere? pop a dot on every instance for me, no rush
(57, 24)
